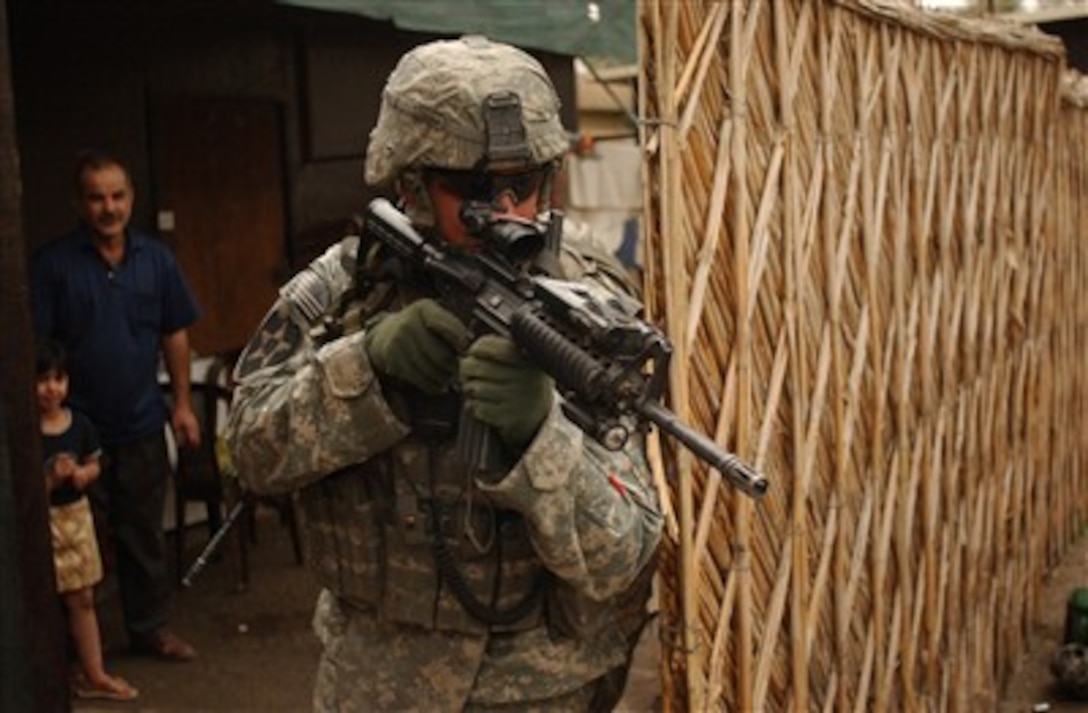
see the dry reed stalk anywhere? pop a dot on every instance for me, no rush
(654, 452)
(787, 68)
(711, 233)
(673, 263)
(704, 55)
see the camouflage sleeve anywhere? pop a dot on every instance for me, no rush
(592, 516)
(301, 412)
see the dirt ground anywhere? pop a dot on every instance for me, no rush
(257, 651)
(1032, 686)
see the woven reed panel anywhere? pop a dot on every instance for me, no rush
(1066, 380)
(865, 234)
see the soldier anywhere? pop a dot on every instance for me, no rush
(446, 588)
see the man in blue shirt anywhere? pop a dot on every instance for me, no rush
(116, 299)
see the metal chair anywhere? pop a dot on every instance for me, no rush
(197, 477)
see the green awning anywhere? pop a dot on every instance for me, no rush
(605, 28)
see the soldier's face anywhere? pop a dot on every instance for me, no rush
(105, 201)
(447, 199)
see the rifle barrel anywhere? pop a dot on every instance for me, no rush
(739, 473)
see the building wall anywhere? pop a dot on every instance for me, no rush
(92, 81)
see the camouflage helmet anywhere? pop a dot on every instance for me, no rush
(462, 104)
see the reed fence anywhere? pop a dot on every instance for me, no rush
(865, 232)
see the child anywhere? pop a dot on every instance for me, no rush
(70, 446)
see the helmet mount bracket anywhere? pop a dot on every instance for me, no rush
(507, 144)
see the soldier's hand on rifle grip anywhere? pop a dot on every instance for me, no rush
(419, 345)
(505, 391)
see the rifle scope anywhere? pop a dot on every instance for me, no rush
(516, 239)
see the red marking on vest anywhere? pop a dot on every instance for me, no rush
(617, 484)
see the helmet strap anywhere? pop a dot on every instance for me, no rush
(544, 195)
(412, 190)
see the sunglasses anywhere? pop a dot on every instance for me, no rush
(475, 185)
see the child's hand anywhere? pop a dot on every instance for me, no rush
(58, 469)
(82, 477)
(64, 466)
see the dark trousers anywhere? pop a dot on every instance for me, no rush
(128, 500)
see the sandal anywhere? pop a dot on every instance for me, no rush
(113, 688)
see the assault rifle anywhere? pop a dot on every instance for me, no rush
(609, 365)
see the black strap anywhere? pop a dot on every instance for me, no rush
(452, 577)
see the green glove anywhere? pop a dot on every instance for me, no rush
(504, 391)
(419, 345)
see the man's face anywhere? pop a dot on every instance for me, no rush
(105, 201)
(448, 192)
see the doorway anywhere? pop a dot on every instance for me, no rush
(217, 168)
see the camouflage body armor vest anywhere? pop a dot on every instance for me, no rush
(374, 534)
(407, 535)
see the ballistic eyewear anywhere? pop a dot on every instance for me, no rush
(475, 185)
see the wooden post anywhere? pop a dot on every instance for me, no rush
(31, 640)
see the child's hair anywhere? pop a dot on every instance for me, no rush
(50, 356)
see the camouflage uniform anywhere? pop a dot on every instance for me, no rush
(556, 551)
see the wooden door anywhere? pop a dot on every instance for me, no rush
(217, 165)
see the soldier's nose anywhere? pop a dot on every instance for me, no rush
(504, 202)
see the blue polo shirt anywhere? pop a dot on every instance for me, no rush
(112, 321)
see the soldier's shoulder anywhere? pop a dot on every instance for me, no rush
(583, 258)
